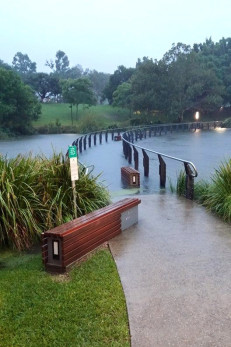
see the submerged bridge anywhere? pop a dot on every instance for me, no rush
(132, 150)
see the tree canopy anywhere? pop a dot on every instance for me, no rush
(122, 74)
(185, 80)
(22, 64)
(78, 91)
(18, 104)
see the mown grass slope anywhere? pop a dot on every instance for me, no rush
(104, 114)
(85, 308)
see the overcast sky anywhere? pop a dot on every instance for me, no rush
(103, 34)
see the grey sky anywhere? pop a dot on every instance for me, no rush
(102, 34)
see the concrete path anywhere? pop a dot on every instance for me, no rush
(175, 268)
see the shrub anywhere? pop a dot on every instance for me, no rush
(214, 195)
(36, 195)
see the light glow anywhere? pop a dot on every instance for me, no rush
(220, 130)
(197, 115)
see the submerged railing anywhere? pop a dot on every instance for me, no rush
(133, 134)
(129, 146)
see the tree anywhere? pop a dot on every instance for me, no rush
(22, 64)
(44, 84)
(99, 81)
(148, 86)
(217, 56)
(18, 104)
(61, 64)
(74, 72)
(4, 65)
(182, 81)
(177, 50)
(78, 91)
(122, 74)
(192, 85)
(122, 96)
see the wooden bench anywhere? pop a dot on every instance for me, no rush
(68, 242)
(130, 176)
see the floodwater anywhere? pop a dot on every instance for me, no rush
(206, 149)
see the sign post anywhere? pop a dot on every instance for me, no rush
(72, 152)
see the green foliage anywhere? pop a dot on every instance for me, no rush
(45, 85)
(61, 64)
(99, 81)
(122, 96)
(226, 123)
(214, 195)
(78, 91)
(22, 64)
(122, 74)
(178, 83)
(200, 190)
(217, 195)
(18, 105)
(84, 308)
(181, 185)
(35, 195)
(147, 85)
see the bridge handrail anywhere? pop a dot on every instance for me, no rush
(163, 155)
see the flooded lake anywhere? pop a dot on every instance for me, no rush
(206, 149)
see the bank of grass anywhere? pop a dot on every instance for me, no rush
(215, 195)
(36, 195)
(87, 308)
(57, 118)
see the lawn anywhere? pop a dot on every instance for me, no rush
(105, 114)
(85, 308)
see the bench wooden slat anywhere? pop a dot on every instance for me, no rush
(87, 242)
(73, 242)
(90, 248)
(84, 220)
(92, 225)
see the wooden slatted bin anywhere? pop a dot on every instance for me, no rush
(67, 243)
(130, 176)
(117, 138)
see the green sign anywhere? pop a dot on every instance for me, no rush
(72, 151)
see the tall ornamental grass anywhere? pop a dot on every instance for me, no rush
(217, 196)
(36, 195)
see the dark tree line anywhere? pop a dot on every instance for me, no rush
(50, 85)
(186, 79)
(22, 87)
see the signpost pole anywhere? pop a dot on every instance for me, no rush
(74, 198)
(72, 151)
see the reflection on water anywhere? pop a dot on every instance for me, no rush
(206, 149)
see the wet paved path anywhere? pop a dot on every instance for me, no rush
(175, 268)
